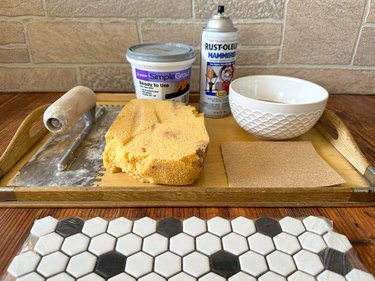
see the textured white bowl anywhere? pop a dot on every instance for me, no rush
(276, 107)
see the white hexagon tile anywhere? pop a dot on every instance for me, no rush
(193, 249)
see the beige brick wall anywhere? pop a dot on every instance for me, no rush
(53, 45)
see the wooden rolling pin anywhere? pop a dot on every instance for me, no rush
(63, 114)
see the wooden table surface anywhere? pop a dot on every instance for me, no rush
(357, 223)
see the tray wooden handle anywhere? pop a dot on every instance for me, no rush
(27, 135)
(336, 132)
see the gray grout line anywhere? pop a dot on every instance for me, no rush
(193, 15)
(139, 23)
(78, 75)
(367, 10)
(62, 65)
(364, 17)
(117, 19)
(191, 20)
(68, 19)
(283, 32)
(25, 34)
(259, 47)
(255, 21)
(13, 46)
(242, 66)
(44, 3)
(313, 67)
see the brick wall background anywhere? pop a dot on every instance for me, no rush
(53, 45)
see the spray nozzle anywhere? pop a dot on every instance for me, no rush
(220, 10)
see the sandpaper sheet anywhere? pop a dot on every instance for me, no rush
(276, 164)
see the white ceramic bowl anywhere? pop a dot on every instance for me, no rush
(276, 107)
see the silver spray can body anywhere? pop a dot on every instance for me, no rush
(218, 56)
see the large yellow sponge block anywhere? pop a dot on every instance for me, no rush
(161, 142)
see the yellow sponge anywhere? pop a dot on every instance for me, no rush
(161, 142)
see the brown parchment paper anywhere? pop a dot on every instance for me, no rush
(276, 164)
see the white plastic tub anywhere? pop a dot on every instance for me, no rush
(162, 70)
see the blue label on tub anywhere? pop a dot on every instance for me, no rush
(170, 76)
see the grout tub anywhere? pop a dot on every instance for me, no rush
(161, 70)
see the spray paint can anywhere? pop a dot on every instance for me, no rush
(218, 56)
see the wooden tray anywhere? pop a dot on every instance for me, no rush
(330, 137)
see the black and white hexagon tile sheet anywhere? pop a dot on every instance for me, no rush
(185, 250)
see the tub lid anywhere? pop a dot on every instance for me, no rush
(161, 52)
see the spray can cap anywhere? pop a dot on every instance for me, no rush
(220, 22)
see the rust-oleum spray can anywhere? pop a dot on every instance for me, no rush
(218, 56)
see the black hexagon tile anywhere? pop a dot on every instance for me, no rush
(110, 264)
(169, 227)
(224, 264)
(69, 226)
(268, 226)
(193, 249)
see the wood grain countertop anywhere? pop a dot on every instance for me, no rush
(357, 223)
